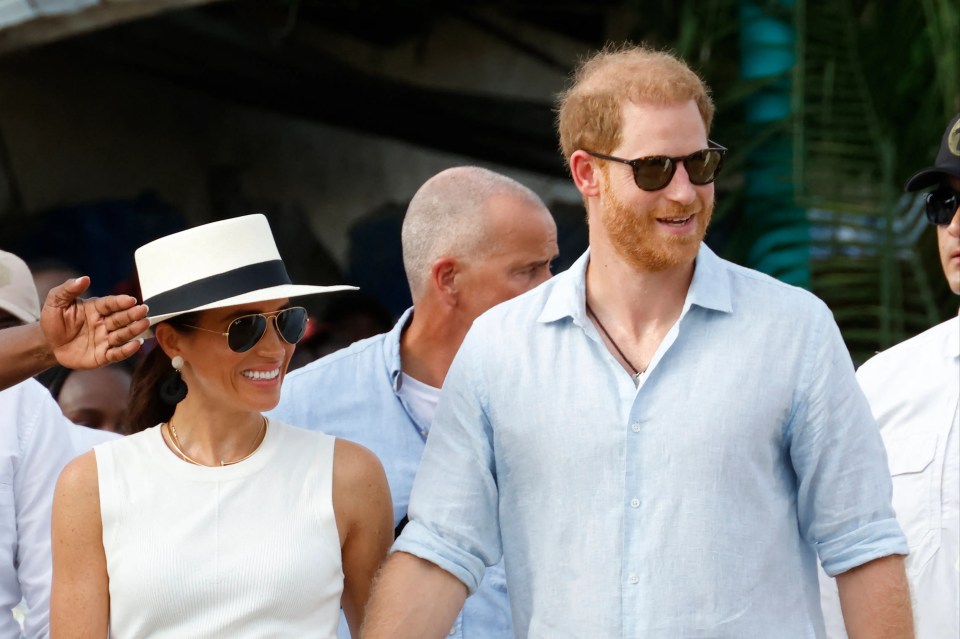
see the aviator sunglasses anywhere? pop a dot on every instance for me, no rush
(244, 332)
(941, 205)
(655, 172)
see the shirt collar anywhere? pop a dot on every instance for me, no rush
(568, 294)
(710, 288)
(391, 348)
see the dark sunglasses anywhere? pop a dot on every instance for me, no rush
(244, 332)
(655, 172)
(941, 205)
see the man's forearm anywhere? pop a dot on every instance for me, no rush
(875, 600)
(412, 599)
(24, 352)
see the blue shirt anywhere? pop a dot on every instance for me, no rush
(691, 505)
(353, 394)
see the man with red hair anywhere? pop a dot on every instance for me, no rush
(658, 442)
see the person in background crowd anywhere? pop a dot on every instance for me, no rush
(19, 303)
(471, 238)
(76, 332)
(49, 273)
(20, 307)
(604, 433)
(345, 319)
(34, 445)
(94, 398)
(914, 393)
(217, 522)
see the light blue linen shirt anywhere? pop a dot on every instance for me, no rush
(353, 394)
(691, 505)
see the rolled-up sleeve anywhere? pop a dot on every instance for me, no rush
(843, 485)
(453, 514)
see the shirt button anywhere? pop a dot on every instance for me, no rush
(635, 427)
(453, 632)
(634, 579)
(634, 503)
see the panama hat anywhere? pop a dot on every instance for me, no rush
(223, 263)
(18, 294)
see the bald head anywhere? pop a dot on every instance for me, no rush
(449, 216)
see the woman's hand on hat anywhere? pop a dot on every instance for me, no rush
(88, 333)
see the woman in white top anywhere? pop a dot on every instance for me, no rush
(215, 521)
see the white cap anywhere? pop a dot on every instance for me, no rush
(18, 294)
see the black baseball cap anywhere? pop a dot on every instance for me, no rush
(948, 160)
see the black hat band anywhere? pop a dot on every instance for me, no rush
(218, 287)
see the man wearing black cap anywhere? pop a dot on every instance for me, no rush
(942, 202)
(913, 390)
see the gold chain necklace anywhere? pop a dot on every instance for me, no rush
(172, 430)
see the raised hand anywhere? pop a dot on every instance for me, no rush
(88, 333)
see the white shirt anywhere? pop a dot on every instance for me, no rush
(34, 447)
(420, 398)
(914, 392)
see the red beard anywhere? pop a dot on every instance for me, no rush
(636, 237)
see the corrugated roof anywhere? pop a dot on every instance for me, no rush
(13, 12)
(25, 23)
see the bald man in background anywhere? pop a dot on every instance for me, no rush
(471, 239)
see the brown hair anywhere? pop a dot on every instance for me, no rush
(144, 406)
(588, 113)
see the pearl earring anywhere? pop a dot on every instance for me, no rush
(174, 389)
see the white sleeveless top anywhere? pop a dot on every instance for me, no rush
(244, 551)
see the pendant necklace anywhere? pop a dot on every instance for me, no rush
(636, 373)
(172, 431)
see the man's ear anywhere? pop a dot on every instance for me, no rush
(586, 175)
(443, 279)
(168, 339)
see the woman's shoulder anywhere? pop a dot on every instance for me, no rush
(360, 489)
(354, 464)
(352, 451)
(78, 479)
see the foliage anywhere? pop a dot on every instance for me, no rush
(873, 86)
